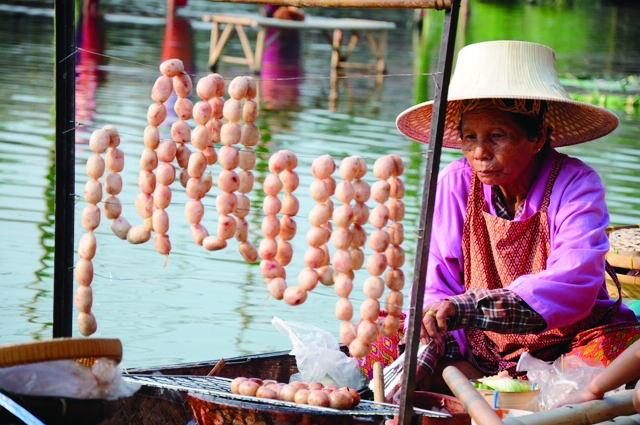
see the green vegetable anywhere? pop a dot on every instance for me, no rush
(507, 385)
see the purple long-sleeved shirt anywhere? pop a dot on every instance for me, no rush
(573, 281)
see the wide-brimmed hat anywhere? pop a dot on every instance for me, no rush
(510, 70)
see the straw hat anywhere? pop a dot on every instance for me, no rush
(510, 70)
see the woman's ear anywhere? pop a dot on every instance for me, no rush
(541, 138)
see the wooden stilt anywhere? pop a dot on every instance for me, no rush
(246, 47)
(215, 54)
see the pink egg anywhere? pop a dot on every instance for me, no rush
(358, 236)
(226, 203)
(202, 112)
(394, 279)
(290, 180)
(248, 252)
(278, 162)
(120, 227)
(394, 303)
(341, 261)
(277, 287)
(323, 166)
(87, 246)
(228, 157)
(146, 182)
(332, 184)
(214, 243)
(180, 133)
(349, 168)
(325, 274)
(362, 167)
(247, 159)
(271, 205)
(194, 211)
(156, 114)
(112, 207)
(290, 204)
(214, 127)
(250, 111)
(376, 264)
(396, 188)
(200, 137)
(183, 109)
(95, 166)
(242, 229)
(220, 85)
(87, 324)
(115, 160)
(373, 287)
(182, 84)
(270, 226)
(396, 209)
(172, 67)
(182, 155)
(313, 257)
(317, 236)
(390, 326)
(380, 191)
(399, 165)
(210, 155)
(367, 331)
(287, 228)
(217, 107)
(151, 135)
(395, 256)
(329, 203)
(166, 151)
(113, 183)
(294, 295)
(84, 272)
(249, 134)
(162, 89)
(270, 269)
(230, 133)
(341, 238)
(344, 309)
(228, 181)
(197, 164)
(252, 88)
(344, 192)
(148, 160)
(160, 220)
(384, 167)
(379, 216)
(361, 191)
(357, 258)
(100, 140)
(272, 184)
(342, 216)
(232, 110)
(84, 299)
(308, 279)
(396, 233)
(207, 87)
(208, 182)
(238, 87)
(162, 243)
(327, 257)
(285, 253)
(343, 285)
(379, 240)
(243, 206)
(226, 227)
(246, 181)
(138, 234)
(319, 214)
(184, 177)
(198, 233)
(347, 332)
(144, 205)
(162, 196)
(114, 136)
(370, 309)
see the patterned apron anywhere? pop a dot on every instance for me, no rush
(496, 251)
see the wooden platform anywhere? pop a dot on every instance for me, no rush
(333, 29)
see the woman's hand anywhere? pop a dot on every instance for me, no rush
(434, 320)
(578, 397)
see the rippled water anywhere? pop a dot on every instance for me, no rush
(205, 305)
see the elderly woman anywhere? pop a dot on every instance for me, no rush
(516, 261)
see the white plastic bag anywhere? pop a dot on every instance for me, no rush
(318, 355)
(67, 378)
(566, 375)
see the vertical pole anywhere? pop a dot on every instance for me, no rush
(426, 214)
(65, 163)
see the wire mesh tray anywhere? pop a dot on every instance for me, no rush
(220, 387)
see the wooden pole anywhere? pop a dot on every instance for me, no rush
(434, 148)
(471, 399)
(65, 88)
(360, 4)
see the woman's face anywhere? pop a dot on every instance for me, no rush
(497, 149)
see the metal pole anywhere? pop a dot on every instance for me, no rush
(447, 47)
(65, 162)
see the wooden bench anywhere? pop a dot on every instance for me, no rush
(253, 58)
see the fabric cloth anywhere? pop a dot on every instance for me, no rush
(572, 283)
(383, 350)
(496, 252)
(499, 204)
(605, 343)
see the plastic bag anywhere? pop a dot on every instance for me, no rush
(557, 380)
(318, 355)
(68, 378)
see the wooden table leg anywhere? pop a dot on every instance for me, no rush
(215, 34)
(335, 53)
(262, 33)
(222, 41)
(246, 47)
(382, 50)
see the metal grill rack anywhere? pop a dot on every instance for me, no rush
(220, 387)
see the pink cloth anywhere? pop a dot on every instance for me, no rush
(573, 281)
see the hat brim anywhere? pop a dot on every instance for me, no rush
(572, 122)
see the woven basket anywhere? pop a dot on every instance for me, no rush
(630, 286)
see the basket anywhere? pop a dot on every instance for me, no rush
(630, 286)
(624, 254)
(61, 410)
